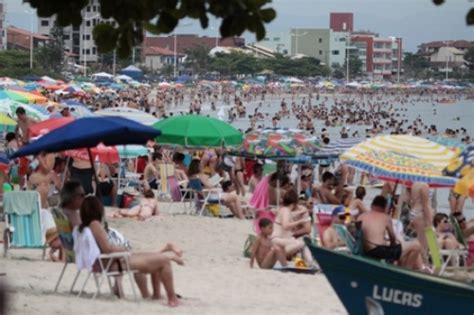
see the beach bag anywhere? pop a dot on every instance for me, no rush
(248, 245)
(214, 209)
(118, 239)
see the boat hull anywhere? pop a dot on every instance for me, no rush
(367, 286)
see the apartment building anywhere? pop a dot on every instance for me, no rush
(278, 42)
(446, 56)
(78, 40)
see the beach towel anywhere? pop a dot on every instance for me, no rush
(21, 202)
(175, 191)
(259, 198)
(86, 248)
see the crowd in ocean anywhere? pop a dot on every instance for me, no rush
(293, 195)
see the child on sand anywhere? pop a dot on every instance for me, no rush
(147, 208)
(263, 251)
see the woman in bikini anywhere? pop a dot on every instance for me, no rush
(285, 225)
(239, 167)
(147, 208)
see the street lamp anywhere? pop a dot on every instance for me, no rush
(297, 36)
(30, 13)
(84, 19)
(175, 49)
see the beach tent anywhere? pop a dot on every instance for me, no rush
(124, 77)
(102, 76)
(133, 72)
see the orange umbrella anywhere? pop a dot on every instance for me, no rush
(101, 152)
(47, 125)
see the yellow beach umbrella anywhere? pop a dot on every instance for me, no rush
(428, 151)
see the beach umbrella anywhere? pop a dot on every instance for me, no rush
(197, 131)
(7, 123)
(101, 153)
(399, 168)
(9, 107)
(420, 148)
(90, 132)
(132, 151)
(462, 166)
(45, 126)
(277, 144)
(130, 113)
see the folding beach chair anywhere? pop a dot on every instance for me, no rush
(437, 254)
(354, 246)
(23, 221)
(203, 196)
(458, 231)
(65, 235)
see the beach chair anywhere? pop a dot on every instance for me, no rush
(65, 235)
(458, 231)
(353, 246)
(23, 221)
(437, 254)
(203, 196)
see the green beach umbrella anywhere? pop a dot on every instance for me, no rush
(197, 131)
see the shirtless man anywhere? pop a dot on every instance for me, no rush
(264, 251)
(330, 239)
(376, 224)
(44, 180)
(151, 174)
(24, 123)
(325, 194)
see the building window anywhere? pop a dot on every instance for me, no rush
(44, 23)
(86, 37)
(88, 23)
(94, 50)
(66, 37)
(88, 8)
(276, 39)
(320, 52)
(335, 52)
(320, 40)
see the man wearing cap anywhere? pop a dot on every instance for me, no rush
(330, 239)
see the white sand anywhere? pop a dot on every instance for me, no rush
(216, 278)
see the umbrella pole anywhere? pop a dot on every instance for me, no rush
(96, 179)
(392, 200)
(298, 179)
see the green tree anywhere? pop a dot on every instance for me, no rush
(337, 71)
(16, 63)
(133, 18)
(198, 59)
(416, 66)
(235, 63)
(51, 55)
(167, 71)
(355, 67)
(469, 57)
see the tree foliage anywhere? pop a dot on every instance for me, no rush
(135, 17)
(355, 67)
(469, 57)
(16, 63)
(51, 56)
(415, 66)
(198, 59)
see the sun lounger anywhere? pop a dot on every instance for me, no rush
(23, 221)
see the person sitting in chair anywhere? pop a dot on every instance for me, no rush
(330, 239)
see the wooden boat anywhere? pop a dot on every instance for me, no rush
(367, 286)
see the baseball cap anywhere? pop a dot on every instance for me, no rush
(338, 211)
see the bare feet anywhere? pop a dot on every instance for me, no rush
(173, 302)
(176, 259)
(173, 248)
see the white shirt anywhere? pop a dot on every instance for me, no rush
(85, 248)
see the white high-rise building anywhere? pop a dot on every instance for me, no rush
(78, 41)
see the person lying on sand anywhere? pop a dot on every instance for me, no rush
(147, 208)
(263, 251)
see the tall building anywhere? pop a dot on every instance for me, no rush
(3, 35)
(78, 40)
(324, 44)
(377, 54)
(278, 42)
(341, 22)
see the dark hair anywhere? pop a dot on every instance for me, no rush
(20, 111)
(10, 136)
(194, 167)
(178, 157)
(67, 193)
(326, 140)
(438, 218)
(290, 198)
(457, 214)
(327, 176)
(156, 156)
(257, 167)
(360, 192)
(149, 193)
(380, 201)
(58, 161)
(264, 222)
(225, 185)
(91, 210)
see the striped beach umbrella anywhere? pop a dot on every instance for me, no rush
(130, 113)
(396, 167)
(425, 150)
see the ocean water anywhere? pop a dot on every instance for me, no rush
(452, 115)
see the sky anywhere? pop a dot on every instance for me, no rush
(416, 21)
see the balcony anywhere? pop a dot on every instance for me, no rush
(382, 60)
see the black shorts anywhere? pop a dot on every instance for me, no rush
(386, 252)
(106, 188)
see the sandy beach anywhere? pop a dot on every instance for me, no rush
(216, 278)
